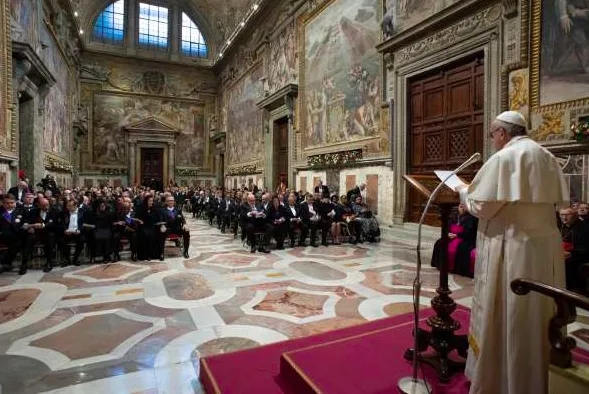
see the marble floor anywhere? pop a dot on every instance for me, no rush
(141, 327)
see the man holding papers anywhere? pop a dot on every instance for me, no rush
(513, 195)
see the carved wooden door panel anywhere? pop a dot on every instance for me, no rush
(152, 165)
(281, 154)
(446, 111)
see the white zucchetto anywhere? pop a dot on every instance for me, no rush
(513, 117)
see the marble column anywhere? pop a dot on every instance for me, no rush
(171, 160)
(132, 162)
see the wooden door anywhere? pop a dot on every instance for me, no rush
(152, 166)
(281, 153)
(446, 111)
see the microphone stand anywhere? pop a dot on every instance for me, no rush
(412, 384)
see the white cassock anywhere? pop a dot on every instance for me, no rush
(514, 196)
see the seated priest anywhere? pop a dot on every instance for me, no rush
(575, 239)
(253, 219)
(174, 224)
(10, 228)
(462, 240)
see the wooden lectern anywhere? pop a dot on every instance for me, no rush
(442, 338)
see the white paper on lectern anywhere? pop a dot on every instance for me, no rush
(453, 182)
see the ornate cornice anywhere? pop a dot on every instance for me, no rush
(113, 171)
(57, 165)
(335, 159)
(248, 169)
(460, 10)
(187, 172)
(450, 35)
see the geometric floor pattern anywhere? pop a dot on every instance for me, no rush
(141, 327)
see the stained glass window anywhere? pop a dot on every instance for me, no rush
(193, 43)
(153, 26)
(109, 27)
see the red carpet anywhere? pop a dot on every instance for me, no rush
(371, 362)
(350, 364)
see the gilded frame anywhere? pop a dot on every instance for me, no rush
(535, 49)
(6, 77)
(304, 151)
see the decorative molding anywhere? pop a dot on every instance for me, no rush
(334, 160)
(151, 123)
(187, 173)
(471, 25)
(460, 10)
(57, 164)
(248, 169)
(280, 98)
(113, 171)
(509, 8)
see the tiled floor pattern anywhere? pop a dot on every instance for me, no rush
(140, 327)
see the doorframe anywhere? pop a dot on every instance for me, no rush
(486, 42)
(158, 145)
(277, 114)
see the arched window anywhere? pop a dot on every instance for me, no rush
(109, 27)
(153, 26)
(193, 43)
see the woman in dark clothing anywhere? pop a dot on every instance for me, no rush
(149, 230)
(103, 220)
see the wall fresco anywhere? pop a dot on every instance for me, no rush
(245, 135)
(340, 100)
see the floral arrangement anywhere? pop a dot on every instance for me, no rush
(580, 130)
(335, 159)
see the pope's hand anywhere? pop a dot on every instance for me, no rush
(451, 235)
(567, 255)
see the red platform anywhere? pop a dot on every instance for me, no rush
(366, 358)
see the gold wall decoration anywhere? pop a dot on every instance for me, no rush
(559, 61)
(551, 128)
(519, 93)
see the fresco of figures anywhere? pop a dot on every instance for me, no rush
(113, 112)
(564, 57)
(283, 67)
(411, 12)
(24, 21)
(341, 83)
(57, 123)
(245, 139)
(128, 76)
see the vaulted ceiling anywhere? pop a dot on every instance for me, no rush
(217, 19)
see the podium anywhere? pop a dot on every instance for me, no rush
(442, 337)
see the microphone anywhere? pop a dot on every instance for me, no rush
(413, 385)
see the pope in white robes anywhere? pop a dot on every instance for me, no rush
(514, 196)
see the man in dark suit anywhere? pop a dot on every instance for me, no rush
(254, 219)
(315, 215)
(175, 224)
(40, 225)
(295, 220)
(322, 189)
(11, 220)
(71, 232)
(226, 212)
(19, 192)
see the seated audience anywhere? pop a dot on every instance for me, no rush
(276, 215)
(174, 223)
(295, 221)
(254, 219)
